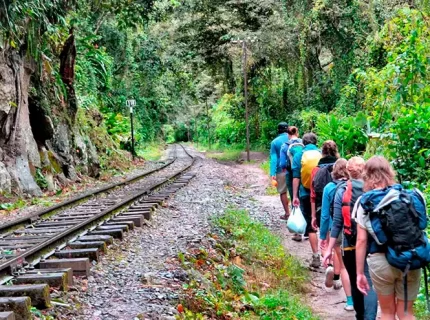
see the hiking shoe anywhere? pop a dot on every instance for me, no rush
(329, 274)
(337, 284)
(349, 307)
(297, 237)
(316, 261)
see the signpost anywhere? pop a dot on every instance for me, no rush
(131, 104)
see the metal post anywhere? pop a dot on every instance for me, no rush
(208, 124)
(245, 62)
(131, 104)
(132, 133)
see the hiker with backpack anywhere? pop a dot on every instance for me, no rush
(321, 176)
(344, 200)
(275, 168)
(288, 150)
(392, 223)
(336, 274)
(304, 161)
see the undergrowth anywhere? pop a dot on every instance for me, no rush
(270, 190)
(152, 151)
(243, 273)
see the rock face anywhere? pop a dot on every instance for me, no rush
(5, 179)
(35, 140)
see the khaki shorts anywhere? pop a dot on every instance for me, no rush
(282, 182)
(388, 280)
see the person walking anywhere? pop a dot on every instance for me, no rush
(275, 168)
(304, 162)
(345, 198)
(288, 150)
(406, 245)
(336, 274)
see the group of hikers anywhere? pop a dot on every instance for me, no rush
(372, 237)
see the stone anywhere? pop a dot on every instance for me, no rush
(28, 185)
(5, 179)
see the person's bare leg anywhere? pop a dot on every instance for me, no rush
(344, 277)
(313, 239)
(285, 203)
(401, 310)
(388, 307)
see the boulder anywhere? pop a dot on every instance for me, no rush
(5, 179)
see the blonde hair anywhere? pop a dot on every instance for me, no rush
(355, 167)
(378, 173)
(339, 169)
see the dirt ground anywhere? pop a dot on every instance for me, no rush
(328, 304)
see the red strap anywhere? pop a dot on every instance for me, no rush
(346, 208)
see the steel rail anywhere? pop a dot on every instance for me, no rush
(68, 203)
(58, 239)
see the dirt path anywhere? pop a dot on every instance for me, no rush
(328, 304)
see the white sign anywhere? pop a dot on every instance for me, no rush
(131, 103)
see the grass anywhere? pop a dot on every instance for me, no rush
(270, 190)
(225, 155)
(244, 274)
(152, 151)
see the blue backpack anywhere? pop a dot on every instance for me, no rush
(396, 219)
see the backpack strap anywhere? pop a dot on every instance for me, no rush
(346, 208)
(405, 289)
(426, 284)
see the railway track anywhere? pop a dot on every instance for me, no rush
(48, 248)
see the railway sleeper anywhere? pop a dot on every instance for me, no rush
(13, 246)
(79, 213)
(38, 293)
(115, 233)
(80, 266)
(146, 214)
(123, 227)
(136, 219)
(7, 315)
(67, 217)
(105, 238)
(55, 280)
(67, 271)
(90, 253)
(20, 306)
(101, 245)
(129, 224)
(58, 223)
(140, 209)
(37, 231)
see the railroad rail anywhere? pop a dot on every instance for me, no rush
(49, 247)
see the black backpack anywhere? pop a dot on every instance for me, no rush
(322, 178)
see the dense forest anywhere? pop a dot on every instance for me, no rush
(351, 70)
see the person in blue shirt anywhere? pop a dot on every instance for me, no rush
(285, 163)
(275, 168)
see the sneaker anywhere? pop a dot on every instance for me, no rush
(329, 274)
(284, 217)
(316, 261)
(305, 237)
(349, 307)
(337, 284)
(297, 237)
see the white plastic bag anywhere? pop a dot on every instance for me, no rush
(296, 222)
